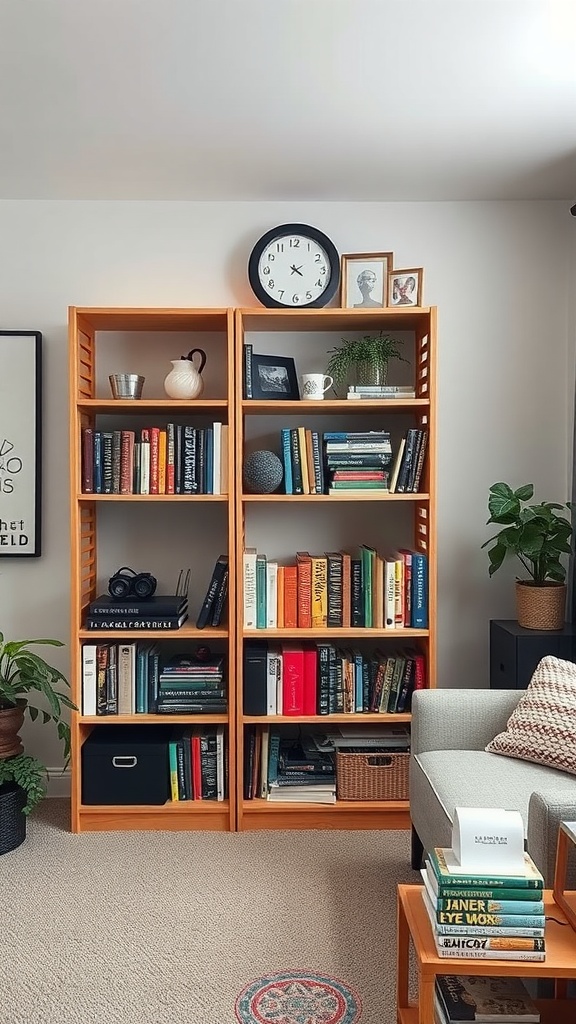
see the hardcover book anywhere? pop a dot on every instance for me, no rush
(486, 1000)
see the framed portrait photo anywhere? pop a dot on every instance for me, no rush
(363, 279)
(405, 287)
(274, 378)
(20, 443)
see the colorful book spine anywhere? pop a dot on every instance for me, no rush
(489, 906)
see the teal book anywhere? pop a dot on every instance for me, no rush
(531, 879)
(261, 602)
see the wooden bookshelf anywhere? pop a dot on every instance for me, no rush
(417, 512)
(158, 335)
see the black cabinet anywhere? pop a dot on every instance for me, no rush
(515, 651)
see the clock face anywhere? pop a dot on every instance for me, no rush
(294, 266)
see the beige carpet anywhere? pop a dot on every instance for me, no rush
(167, 928)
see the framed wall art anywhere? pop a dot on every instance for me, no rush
(20, 443)
(363, 279)
(274, 378)
(405, 287)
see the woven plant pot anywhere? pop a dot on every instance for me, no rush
(542, 606)
(372, 372)
(12, 820)
(11, 720)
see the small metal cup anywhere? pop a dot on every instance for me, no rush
(126, 385)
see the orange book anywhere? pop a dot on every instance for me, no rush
(162, 462)
(319, 592)
(346, 590)
(304, 568)
(280, 597)
(290, 597)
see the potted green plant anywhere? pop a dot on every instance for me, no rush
(538, 536)
(367, 358)
(24, 673)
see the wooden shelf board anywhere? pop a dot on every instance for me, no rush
(152, 497)
(376, 815)
(368, 718)
(138, 405)
(262, 407)
(179, 807)
(358, 632)
(208, 719)
(190, 815)
(332, 319)
(260, 806)
(155, 319)
(186, 632)
(353, 496)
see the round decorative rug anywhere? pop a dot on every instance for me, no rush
(297, 998)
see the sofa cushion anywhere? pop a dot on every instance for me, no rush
(467, 778)
(542, 727)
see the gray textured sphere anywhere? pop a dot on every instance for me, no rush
(263, 472)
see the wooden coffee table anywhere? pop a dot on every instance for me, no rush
(414, 924)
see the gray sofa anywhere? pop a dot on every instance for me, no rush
(449, 768)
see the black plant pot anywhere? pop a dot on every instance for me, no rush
(12, 820)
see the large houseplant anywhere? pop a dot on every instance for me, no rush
(538, 536)
(23, 675)
(367, 358)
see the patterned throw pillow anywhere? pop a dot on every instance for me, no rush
(542, 727)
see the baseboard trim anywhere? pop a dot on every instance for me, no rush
(58, 782)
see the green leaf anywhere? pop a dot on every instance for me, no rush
(525, 492)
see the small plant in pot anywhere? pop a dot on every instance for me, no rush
(538, 536)
(23, 673)
(366, 359)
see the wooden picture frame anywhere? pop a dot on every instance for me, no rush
(274, 378)
(363, 279)
(405, 287)
(20, 444)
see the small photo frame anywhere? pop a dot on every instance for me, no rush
(363, 279)
(405, 287)
(274, 378)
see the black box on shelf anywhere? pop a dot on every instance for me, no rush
(126, 764)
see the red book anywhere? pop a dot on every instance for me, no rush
(419, 671)
(310, 680)
(292, 680)
(154, 459)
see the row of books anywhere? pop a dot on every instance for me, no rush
(197, 764)
(177, 459)
(356, 460)
(323, 679)
(483, 917)
(281, 768)
(387, 591)
(133, 679)
(166, 611)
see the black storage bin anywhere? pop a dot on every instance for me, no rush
(126, 764)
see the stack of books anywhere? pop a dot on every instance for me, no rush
(372, 391)
(357, 461)
(460, 998)
(298, 770)
(188, 686)
(168, 611)
(499, 917)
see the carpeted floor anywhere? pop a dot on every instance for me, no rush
(160, 927)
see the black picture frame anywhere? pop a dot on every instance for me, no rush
(274, 378)
(20, 444)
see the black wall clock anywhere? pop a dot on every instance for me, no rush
(294, 266)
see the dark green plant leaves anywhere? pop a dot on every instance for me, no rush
(29, 774)
(536, 534)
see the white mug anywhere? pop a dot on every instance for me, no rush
(313, 386)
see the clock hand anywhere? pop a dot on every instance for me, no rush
(296, 270)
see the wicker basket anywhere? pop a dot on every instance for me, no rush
(541, 607)
(12, 821)
(371, 776)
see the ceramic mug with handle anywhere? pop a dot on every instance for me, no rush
(314, 386)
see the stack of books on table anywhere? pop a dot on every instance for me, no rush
(190, 687)
(168, 611)
(499, 917)
(372, 391)
(357, 461)
(487, 1000)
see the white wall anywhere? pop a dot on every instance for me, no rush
(499, 273)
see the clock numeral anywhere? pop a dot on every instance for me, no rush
(295, 298)
(271, 282)
(319, 283)
(322, 270)
(265, 270)
(308, 295)
(294, 243)
(279, 246)
(308, 246)
(271, 257)
(317, 258)
(281, 292)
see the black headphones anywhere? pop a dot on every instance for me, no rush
(128, 583)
